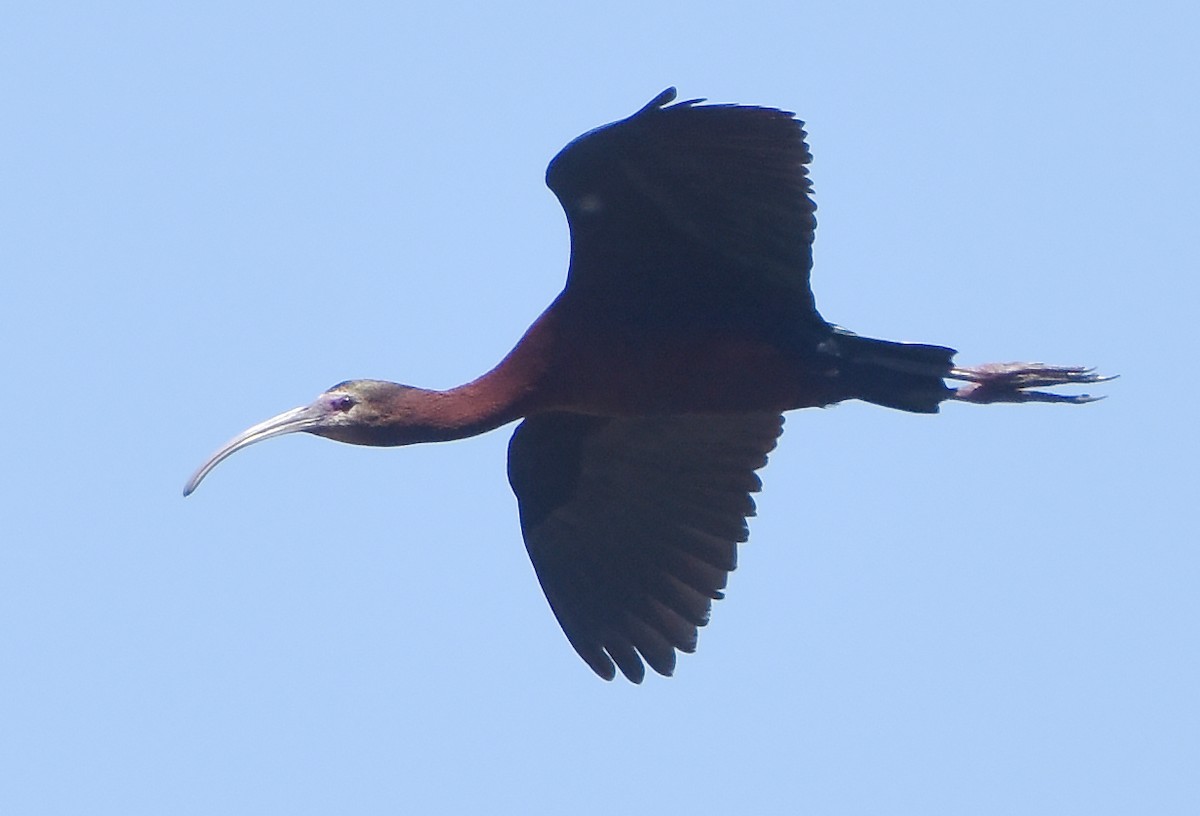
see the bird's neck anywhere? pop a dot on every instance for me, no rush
(510, 391)
(468, 410)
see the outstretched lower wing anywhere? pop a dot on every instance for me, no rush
(633, 524)
(703, 209)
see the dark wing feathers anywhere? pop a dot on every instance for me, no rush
(632, 525)
(704, 203)
(681, 212)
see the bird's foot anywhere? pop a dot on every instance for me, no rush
(1012, 382)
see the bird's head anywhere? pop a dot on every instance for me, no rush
(360, 412)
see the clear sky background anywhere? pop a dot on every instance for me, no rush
(211, 212)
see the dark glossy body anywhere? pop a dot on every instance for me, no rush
(653, 387)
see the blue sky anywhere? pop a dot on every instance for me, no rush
(212, 213)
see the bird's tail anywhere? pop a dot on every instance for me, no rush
(907, 376)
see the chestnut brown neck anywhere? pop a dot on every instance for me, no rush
(510, 391)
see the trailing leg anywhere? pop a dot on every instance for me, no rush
(1011, 382)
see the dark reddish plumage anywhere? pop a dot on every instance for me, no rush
(653, 387)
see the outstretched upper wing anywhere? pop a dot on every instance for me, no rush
(632, 524)
(699, 208)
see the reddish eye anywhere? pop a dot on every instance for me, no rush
(343, 403)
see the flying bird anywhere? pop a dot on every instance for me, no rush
(653, 387)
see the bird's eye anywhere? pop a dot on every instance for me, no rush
(343, 403)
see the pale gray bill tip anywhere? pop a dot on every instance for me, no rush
(297, 419)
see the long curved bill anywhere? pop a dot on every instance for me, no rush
(297, 419)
